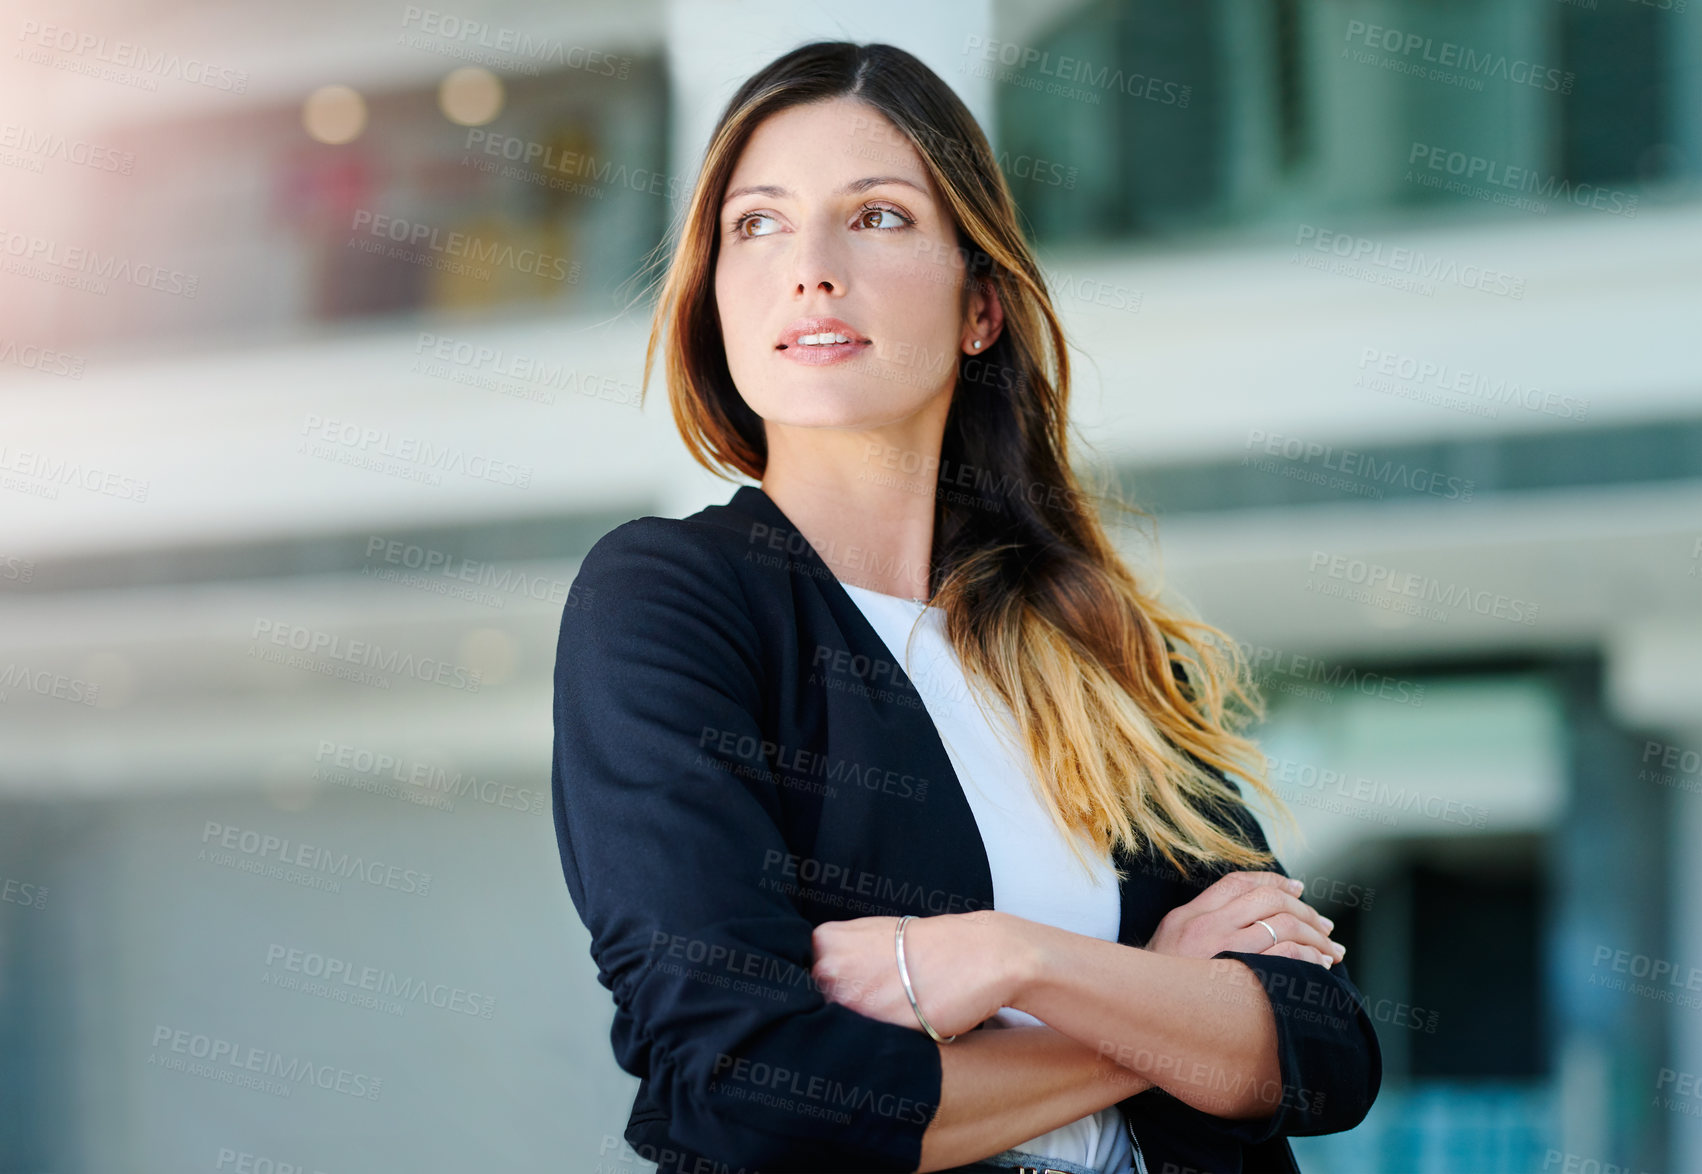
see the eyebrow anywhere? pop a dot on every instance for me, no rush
(856, 185)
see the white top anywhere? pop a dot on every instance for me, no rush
(1035, 875)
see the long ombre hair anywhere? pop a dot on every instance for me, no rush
(1122, 702)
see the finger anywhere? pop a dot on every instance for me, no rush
(1282, 927)
(1297, 951)
(1264, 941)
(1266, 902)
(1234, 885)
(1291, 929)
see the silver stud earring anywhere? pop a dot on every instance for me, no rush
(976, 344)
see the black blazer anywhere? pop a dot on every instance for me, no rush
(738, 759)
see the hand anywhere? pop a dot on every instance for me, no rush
(1226, 915)
(958, 963)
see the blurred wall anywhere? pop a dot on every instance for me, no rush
(1387, 310)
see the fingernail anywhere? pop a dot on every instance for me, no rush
(1296, 884)
(1328, 924)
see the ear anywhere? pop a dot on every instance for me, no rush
(984, 316)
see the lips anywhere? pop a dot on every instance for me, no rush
(807, 326)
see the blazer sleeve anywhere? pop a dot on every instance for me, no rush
(669, 827)
(1327, 1049)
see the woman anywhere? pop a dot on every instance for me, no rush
(909, 844)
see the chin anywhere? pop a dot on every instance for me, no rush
(852, 406)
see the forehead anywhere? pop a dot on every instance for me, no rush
(815, 149)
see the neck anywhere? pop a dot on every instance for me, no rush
(871, 522)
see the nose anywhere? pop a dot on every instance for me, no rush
(819, 265)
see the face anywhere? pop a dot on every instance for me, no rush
(818, 241)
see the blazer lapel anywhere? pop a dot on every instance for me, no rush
(920, 854)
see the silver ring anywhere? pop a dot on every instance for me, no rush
(1268, 930)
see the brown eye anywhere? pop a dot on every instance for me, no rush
(747, 218)
(877, 210)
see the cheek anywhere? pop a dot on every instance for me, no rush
(737, 308)
(918, 296)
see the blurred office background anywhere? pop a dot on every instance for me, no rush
(1387, 309)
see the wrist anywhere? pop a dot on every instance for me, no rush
(1021, 956)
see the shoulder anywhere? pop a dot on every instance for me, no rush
(657, 579)
(644, 544)
(711, 541)
(657, 627)
(649, 553)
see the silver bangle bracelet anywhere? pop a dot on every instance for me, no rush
(909, 991)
